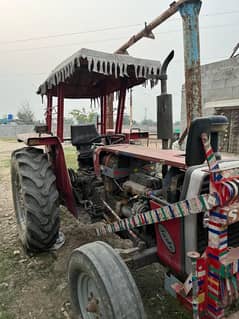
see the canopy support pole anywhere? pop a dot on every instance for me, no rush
(103, 101)
(49, 112)
(60, 111)
(120, 111)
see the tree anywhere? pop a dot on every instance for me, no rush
(68, 121)
(81, 116)
(25, 114)
(126, 120)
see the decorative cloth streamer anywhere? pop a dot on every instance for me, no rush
(180, 209)
(217, 249)
(210, 157)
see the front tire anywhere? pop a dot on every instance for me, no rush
(35, 199)
(101, 285)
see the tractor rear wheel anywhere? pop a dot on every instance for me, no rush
(35, 198)
(101, 285)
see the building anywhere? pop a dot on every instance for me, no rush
(220, 95)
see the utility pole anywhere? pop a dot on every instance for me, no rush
(146, 32)
(192, 66)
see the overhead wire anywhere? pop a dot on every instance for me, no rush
(113, 39)
(60, 35)
(62, 45)
(108, 39)
(51, 36)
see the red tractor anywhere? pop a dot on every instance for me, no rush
(114, 177)
(40, 179)
(108, 176)
(167, 201)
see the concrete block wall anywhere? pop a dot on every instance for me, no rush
(11, 131)
(220, 81)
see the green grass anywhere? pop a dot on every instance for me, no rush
(71, 157)
(5, 163)
(8, 139)
(5, 314)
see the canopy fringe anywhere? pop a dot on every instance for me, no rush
(116, 65)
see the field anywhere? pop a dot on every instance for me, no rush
(36, 287)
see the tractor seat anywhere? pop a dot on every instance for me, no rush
(212, 125)
(82, 136)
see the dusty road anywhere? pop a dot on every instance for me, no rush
(36, 287)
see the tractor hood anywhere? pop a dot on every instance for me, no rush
(90, 74)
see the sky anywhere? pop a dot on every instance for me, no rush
(35, 36)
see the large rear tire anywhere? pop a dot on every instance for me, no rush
(101, 285)
(35, 199)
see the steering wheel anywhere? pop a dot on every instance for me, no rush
(95, 139)
(121, 138)
(108, 138)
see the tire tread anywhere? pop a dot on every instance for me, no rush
(41, 198)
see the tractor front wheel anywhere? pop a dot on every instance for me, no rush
(101, 285)
(35, 198)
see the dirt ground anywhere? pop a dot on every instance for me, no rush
(36, 287)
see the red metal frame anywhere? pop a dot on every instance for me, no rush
(49, 112)
(60, 111)
(103, 106)
(135, 135)
(131, 135)
(120, 111)
(104, 113)
(101, 114)
(168, 157)
(173, 233)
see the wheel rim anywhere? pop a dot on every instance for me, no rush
(89, 298)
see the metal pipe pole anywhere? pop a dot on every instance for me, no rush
(147, 30)
(194, 256)
(190, 12)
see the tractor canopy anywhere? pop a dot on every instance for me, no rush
(91, 74)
